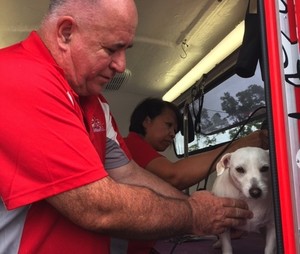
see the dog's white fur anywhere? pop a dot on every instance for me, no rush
(244, 174)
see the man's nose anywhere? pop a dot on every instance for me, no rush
(119, 61)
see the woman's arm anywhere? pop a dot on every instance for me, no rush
(189, 171)
(133, 174)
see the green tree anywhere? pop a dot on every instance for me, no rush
(242, 105)
(238, 108)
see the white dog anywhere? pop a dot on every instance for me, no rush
(244, 174)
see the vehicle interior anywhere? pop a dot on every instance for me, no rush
(191, 53)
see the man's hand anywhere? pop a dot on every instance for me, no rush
(213, 215)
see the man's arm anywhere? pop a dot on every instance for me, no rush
(133, 212)
(133, 174)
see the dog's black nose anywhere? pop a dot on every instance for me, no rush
(255, 192)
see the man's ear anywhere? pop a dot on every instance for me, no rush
(65, 29)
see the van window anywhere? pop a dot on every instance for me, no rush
(234, 107)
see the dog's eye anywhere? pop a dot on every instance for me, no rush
(240, 170)
(264, 169)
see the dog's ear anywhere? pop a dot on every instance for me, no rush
(223, 164)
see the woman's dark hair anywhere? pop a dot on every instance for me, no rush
(151, 107)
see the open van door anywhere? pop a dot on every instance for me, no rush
(281, 52)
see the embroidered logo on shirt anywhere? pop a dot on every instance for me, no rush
(97, 126)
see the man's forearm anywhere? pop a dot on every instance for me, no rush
(125, 211)
(132, 212)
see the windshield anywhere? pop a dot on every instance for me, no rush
(223, 111)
